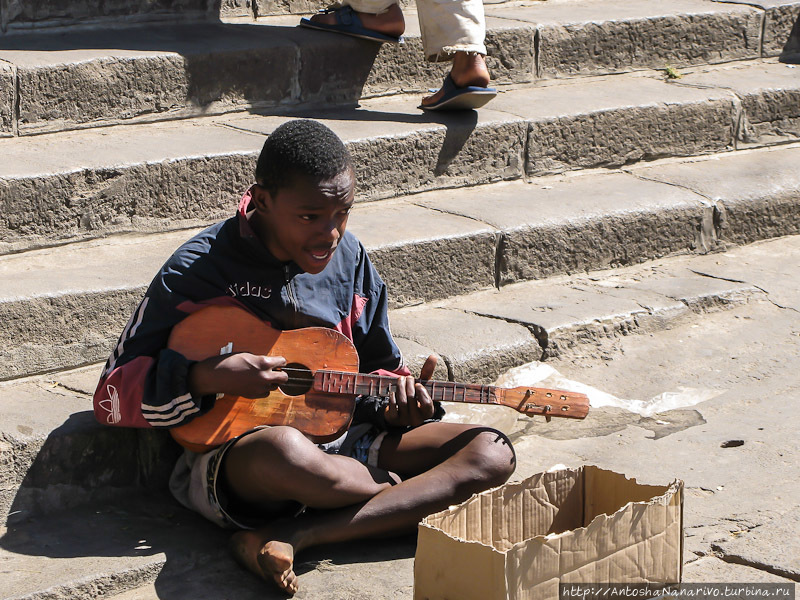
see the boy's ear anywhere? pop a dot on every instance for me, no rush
(262, 199)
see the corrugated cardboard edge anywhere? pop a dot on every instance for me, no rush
(598, 551)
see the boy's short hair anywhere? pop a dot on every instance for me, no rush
(301, 148)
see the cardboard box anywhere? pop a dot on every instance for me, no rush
(521, 540)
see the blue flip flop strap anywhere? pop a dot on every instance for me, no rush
(345, 15)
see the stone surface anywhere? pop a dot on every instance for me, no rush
(100, 551)
(58, 456)
(280, 7)
(778, 19)
(18, 14)
(710, 569)
(586, 125)
(58, 326)
(476, 349)
(699, 293)
(413, 152)
(81, 381)
(415, 355)
(791, 50)
(592, 38)
(435, 245)
(433, 255)
(747, 264)
(564, 225)
(7, 94)
(91, 183)
(96, 77)
(88, 184)
(100, 76)
(566, 313)
(236, 8)
(770, 97)
(773, 547)
(73, 79)
(156, 549)
(755, 194)
(778, 27)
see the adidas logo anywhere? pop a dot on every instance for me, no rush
(111, 404)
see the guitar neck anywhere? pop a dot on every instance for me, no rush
(357, 384)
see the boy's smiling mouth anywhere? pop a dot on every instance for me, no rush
(319, 254)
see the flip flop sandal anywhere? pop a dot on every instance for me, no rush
(348, 23)
(460, 98)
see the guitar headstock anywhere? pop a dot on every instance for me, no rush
(546, 402)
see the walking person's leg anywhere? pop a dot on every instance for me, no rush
(452, 30)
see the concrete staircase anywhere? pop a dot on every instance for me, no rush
(629, 143)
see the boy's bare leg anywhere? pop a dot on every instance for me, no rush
(469, 68)
(389, 22)
(441, 463)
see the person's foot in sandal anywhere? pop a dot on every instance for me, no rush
(467, 88)
(387, 26)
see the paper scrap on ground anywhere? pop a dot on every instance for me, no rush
(537, 374)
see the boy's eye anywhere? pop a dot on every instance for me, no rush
(308, 217)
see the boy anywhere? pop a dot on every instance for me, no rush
(287, 258)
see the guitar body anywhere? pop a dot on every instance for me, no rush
(224, 329)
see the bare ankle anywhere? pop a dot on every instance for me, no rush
(389, 22)
(469, 68)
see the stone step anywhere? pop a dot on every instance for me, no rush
(66, 80)
(21, 18)
(149, 546)
(64, 306)
(70, 186)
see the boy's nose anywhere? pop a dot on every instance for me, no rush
(331, 232)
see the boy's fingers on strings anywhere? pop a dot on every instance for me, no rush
(397, 410)
(271, 362)
(424, 403)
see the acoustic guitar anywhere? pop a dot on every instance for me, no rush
(319, 397)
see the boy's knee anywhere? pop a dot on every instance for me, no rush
(272, 444)
(494, 456)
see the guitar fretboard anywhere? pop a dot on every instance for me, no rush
(338, 382)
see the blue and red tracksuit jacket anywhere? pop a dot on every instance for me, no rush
(144, 384)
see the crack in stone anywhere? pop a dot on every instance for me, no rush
(755, 564)
(758, 287)
(641, 177)
(58, 385)
(240, 128)
(537, 331)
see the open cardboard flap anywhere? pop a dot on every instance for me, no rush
(521, 540)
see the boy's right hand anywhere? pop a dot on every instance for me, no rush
(239, 374)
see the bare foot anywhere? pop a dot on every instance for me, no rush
(389, 22)
(272, 560)
(468, 68)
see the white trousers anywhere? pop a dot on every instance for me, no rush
(447, 26)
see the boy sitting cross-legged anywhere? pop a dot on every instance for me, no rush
(286, 258)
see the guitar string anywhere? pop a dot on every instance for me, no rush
(307, 376)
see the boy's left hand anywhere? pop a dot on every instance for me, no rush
(411, 404)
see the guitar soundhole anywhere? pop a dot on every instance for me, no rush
(300, 380)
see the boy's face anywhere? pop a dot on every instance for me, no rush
(305, 221)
